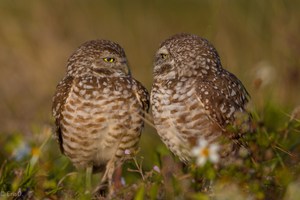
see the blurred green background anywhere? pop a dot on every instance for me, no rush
(257, 40)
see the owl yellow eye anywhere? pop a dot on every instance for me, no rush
(109, 59)
(163, 55)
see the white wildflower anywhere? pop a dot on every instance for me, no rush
(127, 152)
(21, 151)
(205, 151)
(156, 168)
(123, 182)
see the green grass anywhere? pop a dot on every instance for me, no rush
(36, 168)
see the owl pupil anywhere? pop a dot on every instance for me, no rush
(108, 59)
(163, 56)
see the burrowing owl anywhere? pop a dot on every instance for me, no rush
(193, 96)
(98, 107)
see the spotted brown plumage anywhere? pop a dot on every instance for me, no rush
(193, 96)
(98, 108)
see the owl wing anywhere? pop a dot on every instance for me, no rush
(141, 94)
(223, 97)
(59, 100)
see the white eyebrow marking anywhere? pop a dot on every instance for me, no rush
(162, 50)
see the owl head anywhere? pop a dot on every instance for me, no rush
(185, 55)
(100, 58)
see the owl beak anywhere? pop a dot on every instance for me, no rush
(125, 67)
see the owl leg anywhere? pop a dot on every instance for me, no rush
(88, 179)
(105, 188)
(108, 176)
(117, 178)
